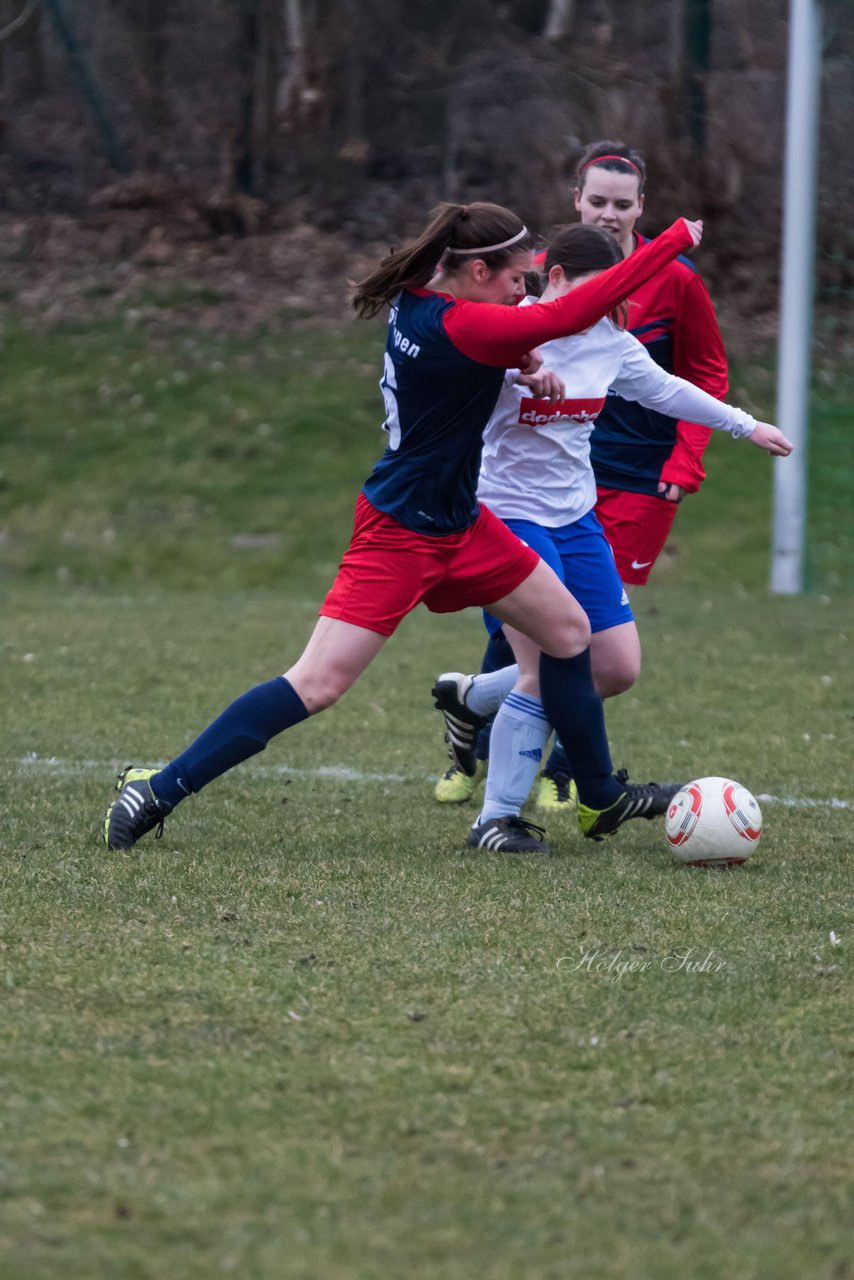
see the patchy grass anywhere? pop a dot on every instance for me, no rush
(306, 1034)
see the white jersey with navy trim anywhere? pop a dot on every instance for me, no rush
(536, 456)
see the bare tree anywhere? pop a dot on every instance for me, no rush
(149, 26)
(558, 19)
(292, 74)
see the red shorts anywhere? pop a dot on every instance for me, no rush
(388, 569)
(637, 526)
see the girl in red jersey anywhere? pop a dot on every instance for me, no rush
(420, 534)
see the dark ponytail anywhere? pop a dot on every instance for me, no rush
(583, 248)
(466, 227)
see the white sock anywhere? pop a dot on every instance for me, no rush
(489, 690)
(519, 735)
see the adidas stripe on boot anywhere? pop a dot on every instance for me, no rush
(639, 800)
(507, 835)
(462, 726)
(135, 812)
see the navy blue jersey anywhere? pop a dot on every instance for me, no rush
(634, 448)
(438, 402)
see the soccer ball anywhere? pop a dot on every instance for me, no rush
(713, 822)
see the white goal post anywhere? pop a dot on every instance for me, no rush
(798, 267)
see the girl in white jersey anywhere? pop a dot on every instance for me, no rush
(536, 475)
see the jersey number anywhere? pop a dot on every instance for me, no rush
(388, 386)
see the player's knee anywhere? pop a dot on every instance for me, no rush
(321, 689)
(570, 636)
(618, 679)
(319, 699)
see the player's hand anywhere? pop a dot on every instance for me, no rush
(695, 230)
(544, 384)
(671, 492)
(765, 436)
(530, 362)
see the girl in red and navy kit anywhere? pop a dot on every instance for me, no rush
(420, 533)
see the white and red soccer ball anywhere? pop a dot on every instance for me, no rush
(713, 822)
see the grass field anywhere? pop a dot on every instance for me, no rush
(305, 1035)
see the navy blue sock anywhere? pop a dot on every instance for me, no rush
(574, 709)
(558, 761)
(482, 748)
(243, 729)
(497, 655)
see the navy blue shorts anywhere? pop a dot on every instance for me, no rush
(582, 558)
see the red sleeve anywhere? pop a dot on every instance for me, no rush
(501, 336)
(698, 357)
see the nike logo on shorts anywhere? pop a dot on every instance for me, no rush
(636, 564)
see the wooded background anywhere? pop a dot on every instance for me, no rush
(213, 118)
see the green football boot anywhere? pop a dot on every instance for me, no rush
(639, 800)
(455, 787)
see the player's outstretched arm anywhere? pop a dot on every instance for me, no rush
(771, 438)
(492, 334)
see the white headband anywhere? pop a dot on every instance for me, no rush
(492, 248)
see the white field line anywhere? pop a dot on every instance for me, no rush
(339, 773)
(806, 802)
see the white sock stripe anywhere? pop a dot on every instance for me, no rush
(527, 704)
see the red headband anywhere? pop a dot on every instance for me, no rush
(622, 159)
